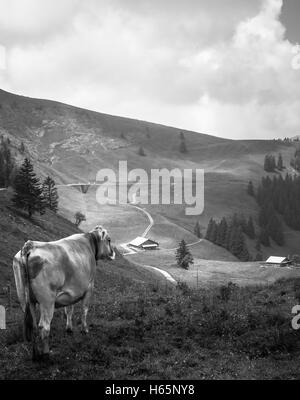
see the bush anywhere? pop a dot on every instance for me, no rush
(226, 291)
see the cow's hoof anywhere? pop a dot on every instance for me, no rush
(85, 331)
(69, 331)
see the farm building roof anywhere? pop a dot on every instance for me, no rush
(276, 260)
(139, 241)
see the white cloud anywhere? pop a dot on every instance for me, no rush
(222, 67)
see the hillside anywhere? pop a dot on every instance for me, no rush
(16, 229)
(72, 144)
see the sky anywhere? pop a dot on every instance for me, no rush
(230, 68)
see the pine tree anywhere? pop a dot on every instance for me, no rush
(22, 148)
(7, 164)
(238, 246)
(250, 189)
(212, 231)
(280, 162)
(258, 257)
(250, 231)
(258, 246)
(269, 163)
(264, 238)
(197, 230)
(209, 230)
(182, 147)
(183, 255)
(28, 191)
(275, 230)
(79, 217)
(141, 152)
(2, 180)
(50, 196)
(221, 233)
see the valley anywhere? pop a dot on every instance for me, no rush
(72, 144)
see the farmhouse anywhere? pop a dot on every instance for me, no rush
(144, 244)
(279, 261)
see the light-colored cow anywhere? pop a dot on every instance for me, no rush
(51, 275)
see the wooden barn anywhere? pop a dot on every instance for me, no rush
(278, 261)
(144, 244)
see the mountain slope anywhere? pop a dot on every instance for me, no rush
(72, 144)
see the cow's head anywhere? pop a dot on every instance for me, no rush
(103, 244)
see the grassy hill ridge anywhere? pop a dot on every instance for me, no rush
(72, 144)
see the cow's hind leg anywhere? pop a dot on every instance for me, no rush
(69, 314)
(47, 312)
(85, 308)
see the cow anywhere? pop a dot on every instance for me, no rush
(50, 275)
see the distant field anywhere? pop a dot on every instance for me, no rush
(228, 166)
(212, 272)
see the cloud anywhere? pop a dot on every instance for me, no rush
(31, 21)
(222, 67)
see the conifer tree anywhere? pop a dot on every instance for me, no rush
(237, 245)
(221, 233)
(182, 147)
(280, 162)
(22, 148)
(269, 163)
(79, 217)
(209, 230)
(264, 238)
(250, 231)
(183, 256)
(28, 191)
(50, 195)
(141, 152)
(7, 164)
(258, 257)
(258, 245)
(197, 230)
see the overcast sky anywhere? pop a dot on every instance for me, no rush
(223, 67)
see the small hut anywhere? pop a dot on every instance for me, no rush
(144, 244)
(278, 261)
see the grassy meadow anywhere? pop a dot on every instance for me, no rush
(143, 329)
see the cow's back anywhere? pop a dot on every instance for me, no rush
(64, 265)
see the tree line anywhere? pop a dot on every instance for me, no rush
(7, 164)
(280, 195)
(271, 164)
(295, 161)
(31, 194)
(268, 220)
(230, 234)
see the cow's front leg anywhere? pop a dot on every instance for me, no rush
(69, 314)
(85, 308)
(47, 312)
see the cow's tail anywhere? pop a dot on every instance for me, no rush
(29, 316)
